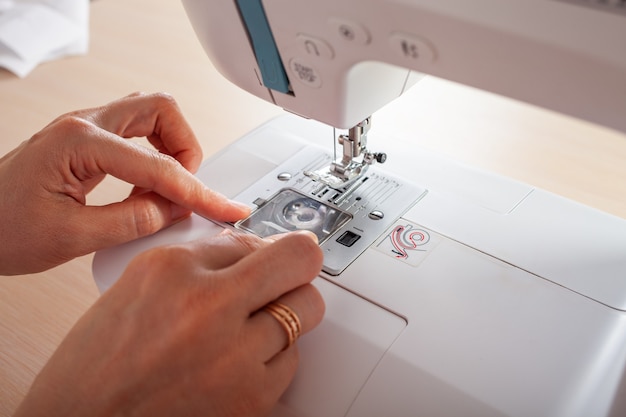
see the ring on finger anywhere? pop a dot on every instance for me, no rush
(288, 319)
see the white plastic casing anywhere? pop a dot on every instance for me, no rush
(514, 305)
(351, 54)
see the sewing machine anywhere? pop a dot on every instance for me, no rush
(449, 291)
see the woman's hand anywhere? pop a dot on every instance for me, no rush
(183, 333)
(44, 183)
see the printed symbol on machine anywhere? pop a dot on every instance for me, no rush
(315, 47)
(409, 49)
(406, 238)
(305, 73)
(413, 48)
(347, 32)
(311, 47)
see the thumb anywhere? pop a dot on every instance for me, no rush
(138, 216)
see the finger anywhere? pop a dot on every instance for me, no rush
(276, 269)
(117, 223)
(266, 332)
(155, 116)
(148, 169)
(227, 248)
(146, 213)
(280, 371)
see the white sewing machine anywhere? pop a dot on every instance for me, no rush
(449, 291)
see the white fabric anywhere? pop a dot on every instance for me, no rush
(34, 31)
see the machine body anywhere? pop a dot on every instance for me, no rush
(449, 291)
(339, 61)
(345, 59)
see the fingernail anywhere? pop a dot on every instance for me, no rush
(309, 234)
(240, 205)
(274, 238)
(225, 232)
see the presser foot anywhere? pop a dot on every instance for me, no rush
(342, 172)
(327, 176)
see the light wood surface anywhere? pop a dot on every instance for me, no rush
(148, 45)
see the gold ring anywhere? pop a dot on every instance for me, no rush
(287, 318)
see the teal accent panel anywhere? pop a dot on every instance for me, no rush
(272, 70)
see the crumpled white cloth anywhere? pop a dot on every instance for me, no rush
(35, 31)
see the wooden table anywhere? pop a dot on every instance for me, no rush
(148, 45)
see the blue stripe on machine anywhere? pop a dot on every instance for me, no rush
(272, 70)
